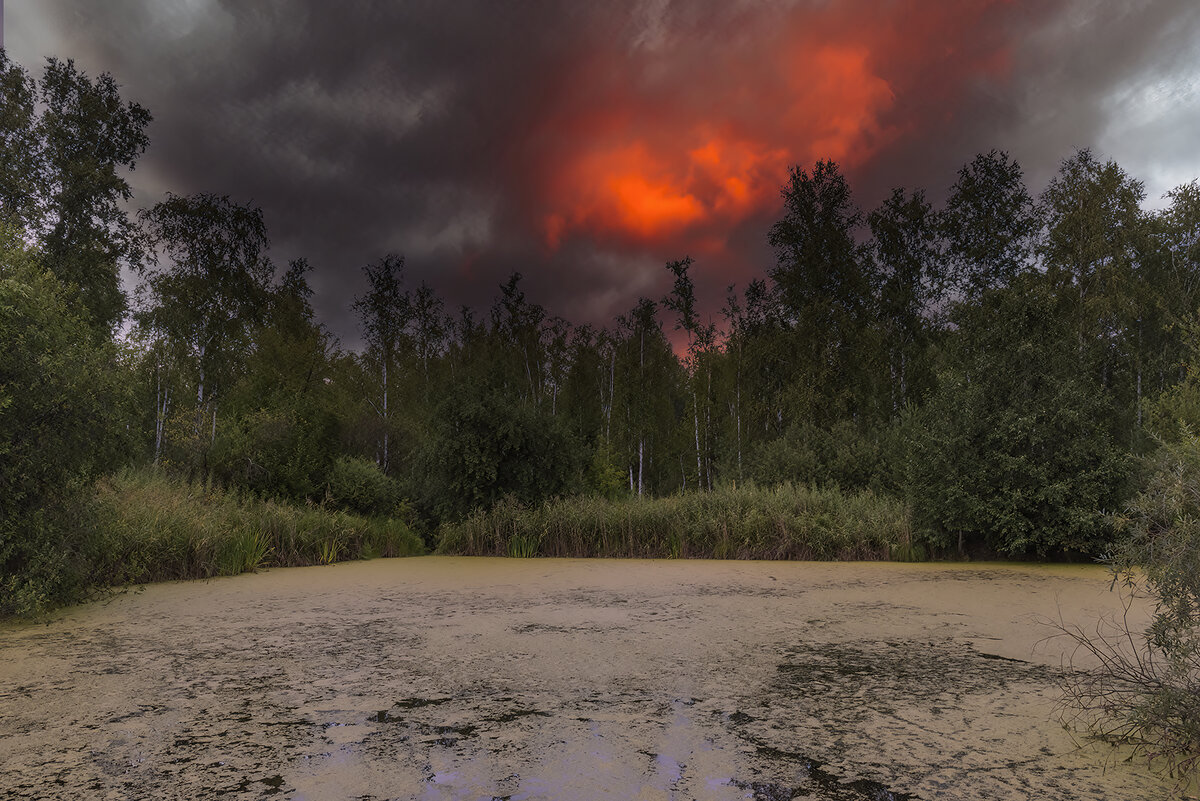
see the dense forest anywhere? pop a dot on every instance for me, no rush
(990, 369)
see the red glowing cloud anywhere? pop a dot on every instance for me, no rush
(679, 143)
(643, 193)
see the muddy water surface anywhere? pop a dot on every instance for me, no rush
(450, 678)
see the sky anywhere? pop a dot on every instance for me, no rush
(587, 144)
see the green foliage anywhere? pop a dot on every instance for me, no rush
(20, 151)
(785, 522)
(61, 396)
(282, 431)
(214, 292)
(62, 142)
(823, 283)
(487, 445)
(1013, 452)
(990, 224)
(910, 280)
(1177, 410)
(835, 455)
(87, 132)
(603, 476)
(358, 485)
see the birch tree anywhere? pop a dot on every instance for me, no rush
(209, 292)
(384, 313)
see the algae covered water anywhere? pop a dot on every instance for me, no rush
(472, 678)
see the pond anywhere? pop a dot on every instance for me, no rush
(472, 678)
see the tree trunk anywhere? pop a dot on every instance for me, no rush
(386, 425)
(641, 460)
(696, 423)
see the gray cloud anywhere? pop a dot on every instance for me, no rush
(445, 131)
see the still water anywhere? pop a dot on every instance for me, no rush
(453, 678)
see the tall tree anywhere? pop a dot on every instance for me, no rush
(63, 142)
(211, 293)
(384, 313)
(906, 248)
(644, 387)
(88, 133)
(682, 301)
(281, 433)
(517, 331)
(431, 328)
(1093, 252)
(824, 288)
(1015, 449)
(1172, 270)
(990, 224)
(21, 169)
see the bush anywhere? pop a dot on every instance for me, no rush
(487, 445)
(839, 455)
(359, 485)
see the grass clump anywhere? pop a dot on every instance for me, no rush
(150, 527)
(789, 521)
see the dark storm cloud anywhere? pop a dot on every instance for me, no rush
(586, 144)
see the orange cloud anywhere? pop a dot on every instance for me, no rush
(636, 192)
(682, 146)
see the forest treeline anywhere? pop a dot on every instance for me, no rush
(993, 364)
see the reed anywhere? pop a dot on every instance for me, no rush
(788, 521)
(148, 526)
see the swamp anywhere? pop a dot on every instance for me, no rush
(482, 678)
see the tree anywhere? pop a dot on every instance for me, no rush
(1093, 253)
(905, 246)
(384, 313)
(62, 399)
(211, 296)
(701, 341)
(281, 434)
(487, 443)
(1170, 275)
(1014, 451)
(824, 289)
(62, 143)
(517, 338)
(431, 329)
(990, 225)
(87, 133)
(21, 171)
(1142, 689)
(644, 393)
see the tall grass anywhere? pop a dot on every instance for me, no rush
(747, 522)
(150, 527)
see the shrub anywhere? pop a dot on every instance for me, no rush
(1145, 690)
(487, 445)
(360, 486)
